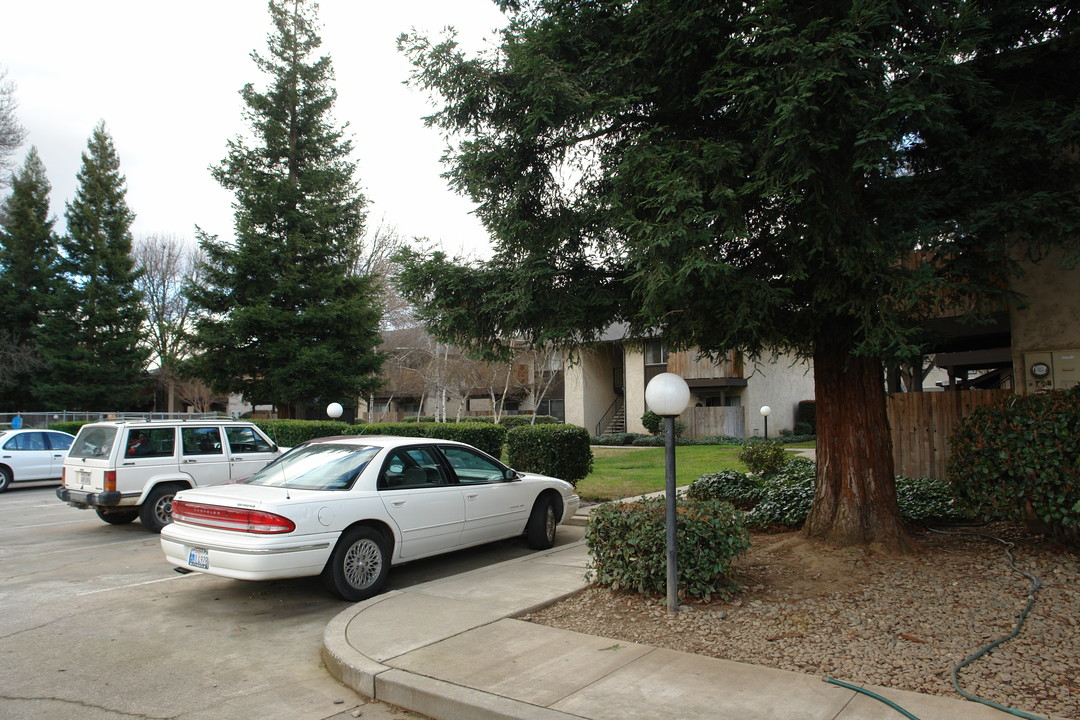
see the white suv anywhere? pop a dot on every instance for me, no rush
(127, 469)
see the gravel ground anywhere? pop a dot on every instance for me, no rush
(866, 619)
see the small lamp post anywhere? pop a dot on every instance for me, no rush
(765, 412)
(667, 395)
(334, 410)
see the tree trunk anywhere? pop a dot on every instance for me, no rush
(855, 493)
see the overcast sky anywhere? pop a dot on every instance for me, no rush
(165, 78)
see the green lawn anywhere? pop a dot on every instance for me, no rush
(628, 471)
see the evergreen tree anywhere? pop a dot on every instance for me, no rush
(28, 260)
(90, 337)
(813, 176)
(289, 320)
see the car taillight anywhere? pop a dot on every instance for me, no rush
(110, 481)
(226, 518)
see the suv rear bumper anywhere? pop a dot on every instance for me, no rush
(78, 498)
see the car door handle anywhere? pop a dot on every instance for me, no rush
(236, 459)
(471, 496)
(190, 461)
(397, 503)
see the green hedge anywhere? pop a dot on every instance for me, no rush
(504, 420)
(69, 426)
(288, 433)
(1020, 460)
(560, 451)
(628, 544)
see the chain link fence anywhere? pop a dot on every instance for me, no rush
(44, 419)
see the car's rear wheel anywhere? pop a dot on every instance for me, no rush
(156, 512)
(540, 530)
(117, 517)
(5, 479)
(358, 566)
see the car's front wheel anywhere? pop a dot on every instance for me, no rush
(540, 530)
(358, 566)
(156, 512)
(5, 479)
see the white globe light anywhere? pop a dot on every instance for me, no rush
(667, 394)
(334, 410)
(766, 410)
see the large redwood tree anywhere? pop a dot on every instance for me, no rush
(763, 175)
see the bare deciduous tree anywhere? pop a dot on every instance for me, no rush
(380, 245)
(12, 134)
(168, 264)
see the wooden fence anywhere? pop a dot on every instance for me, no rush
(712, 421)
(921, 424)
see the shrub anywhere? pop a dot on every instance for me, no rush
(737, 488)
(655, 424)
(560, 451)
(1020, 460)
(785, 496)
(803, 429)
(763, 456)
(926, 499)
(519, 420)
(628, 543)
(617, 439)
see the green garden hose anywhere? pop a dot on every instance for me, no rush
(1036, 583)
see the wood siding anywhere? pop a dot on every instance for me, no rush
(921, 424)
(691, 367)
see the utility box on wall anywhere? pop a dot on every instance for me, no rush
(1051, 370)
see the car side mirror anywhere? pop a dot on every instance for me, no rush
(511, 475)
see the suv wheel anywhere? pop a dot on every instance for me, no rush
(156, 512)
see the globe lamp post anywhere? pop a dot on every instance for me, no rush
(667, 395)
(334, 410)
(765, 412)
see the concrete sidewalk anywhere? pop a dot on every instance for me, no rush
(451, 649)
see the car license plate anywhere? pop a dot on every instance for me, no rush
(84, 477)
(199, 558)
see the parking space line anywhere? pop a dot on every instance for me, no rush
(124, 587)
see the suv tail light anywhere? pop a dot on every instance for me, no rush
(110, 481)
(226, 518)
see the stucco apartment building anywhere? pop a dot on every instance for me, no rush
(604, 387)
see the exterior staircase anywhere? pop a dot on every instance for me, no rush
(617, 423)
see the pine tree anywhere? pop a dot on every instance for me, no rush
(28, 260)
(289, 318)
(91, 336)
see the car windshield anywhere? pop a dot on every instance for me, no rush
(93, 442)
(324, 466)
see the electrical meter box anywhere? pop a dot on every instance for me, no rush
(1051, 370)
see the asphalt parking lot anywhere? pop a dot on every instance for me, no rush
(96, 625)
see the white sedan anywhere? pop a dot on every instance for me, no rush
(347, 508)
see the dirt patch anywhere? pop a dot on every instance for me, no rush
(867, 618)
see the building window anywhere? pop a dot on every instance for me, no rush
(655, 353)
(555, 408)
